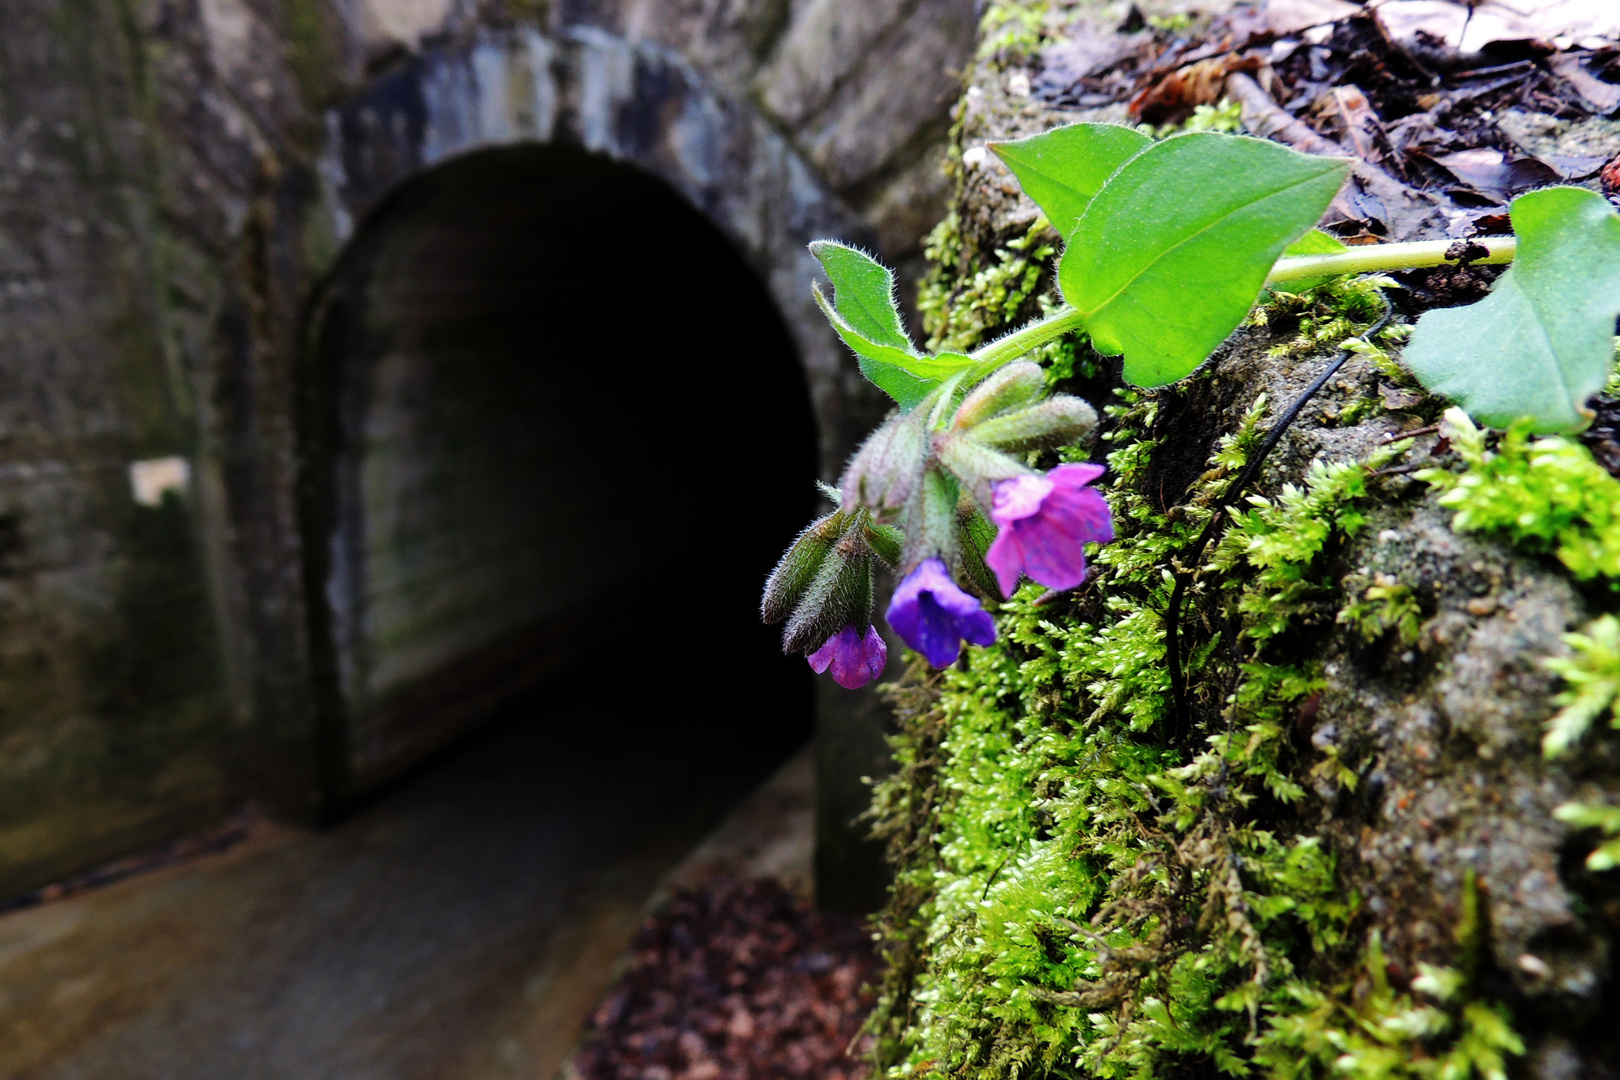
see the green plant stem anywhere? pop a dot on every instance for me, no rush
(1375, 258)
(1371, 259)
(1004, 350)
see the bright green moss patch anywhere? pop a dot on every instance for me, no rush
(1076, 896)
(1546, 495)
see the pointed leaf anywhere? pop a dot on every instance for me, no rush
(1315, 242)
(1542, 342)
(1173, 251)
(1063, 169)
(863, 293)
(905, 376)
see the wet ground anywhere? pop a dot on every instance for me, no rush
(462, 927)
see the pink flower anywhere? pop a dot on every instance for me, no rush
(1045, 523)
(855, 659)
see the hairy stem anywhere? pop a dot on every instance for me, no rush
(1005, 350)
(1371, 259)
(1376, 258)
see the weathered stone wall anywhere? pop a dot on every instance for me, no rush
(178, 179)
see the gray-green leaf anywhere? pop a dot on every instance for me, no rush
(863, 293)
(1063, 169)
(1171, 254)
(1543, 341)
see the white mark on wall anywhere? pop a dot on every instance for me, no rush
(229, 26)
(405, 22)
(494, 100)
(539, 54)
(154, 478)
(450, 102)
(607, 76)
(334, 178)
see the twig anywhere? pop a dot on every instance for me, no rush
(1172, 615)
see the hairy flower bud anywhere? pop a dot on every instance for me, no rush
(839, 595)
(977, 466)
(1057, 421)
(798, 566)
(887, 543)
(975, 533)
(931, 520)
(883, 474)
(1016, 384)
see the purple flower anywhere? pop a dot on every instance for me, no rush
(1046, 521)
(855, 660)
(933, 615)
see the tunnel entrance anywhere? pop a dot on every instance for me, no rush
(548, 414)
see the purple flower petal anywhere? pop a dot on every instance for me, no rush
(933, 615)
(1020, 497)
(855, 659)
(1047, 541)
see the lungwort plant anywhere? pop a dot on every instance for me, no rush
(1167, 246)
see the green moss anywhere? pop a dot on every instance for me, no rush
(1547, 496)
(1606, 820)
(1077, 896)
(1012, 29)
(961, 307)
(1592, 671)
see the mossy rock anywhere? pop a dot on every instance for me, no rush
(1347, 862)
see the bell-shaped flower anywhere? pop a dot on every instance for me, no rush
(935, 617)
(1045, 523)
(854, 659)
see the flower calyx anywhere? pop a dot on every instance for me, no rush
(884, 473)
(824, 582)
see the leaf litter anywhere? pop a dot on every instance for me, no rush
(735, 980)
(1440, 104)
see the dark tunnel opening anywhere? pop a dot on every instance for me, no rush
(553, 434)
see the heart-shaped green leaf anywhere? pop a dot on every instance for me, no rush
(863, 293)
(1543, 341)
(1174, 249)
(1063, 169)
(904, 375)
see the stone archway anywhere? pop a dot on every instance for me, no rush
(643, 105)
(524, 441)
(633, 102)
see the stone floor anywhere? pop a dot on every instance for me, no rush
(460, 929)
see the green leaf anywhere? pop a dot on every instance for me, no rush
(1063, 169)
(863, 293)
(905, 376)
(1173, 251)
(1543, 341)
(1315, 242)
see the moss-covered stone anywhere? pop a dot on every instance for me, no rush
(1354, 858)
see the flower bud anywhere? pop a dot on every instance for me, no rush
(883, 473)
(975, 533)
(887, 543)
(1016, 384)
(931, 520)
(798, 567)
(977, 466)
(838, 596)
(1057, 421)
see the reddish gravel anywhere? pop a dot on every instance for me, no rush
(741, 981)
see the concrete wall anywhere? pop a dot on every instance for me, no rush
(177, 182)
